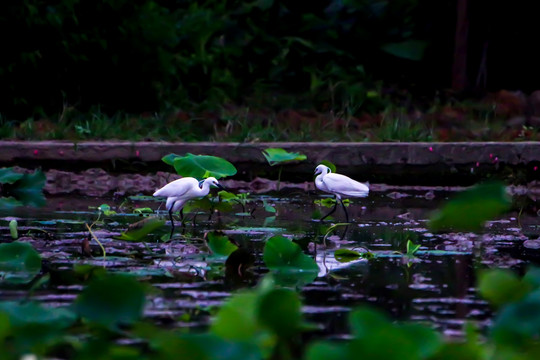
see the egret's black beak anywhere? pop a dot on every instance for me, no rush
(220, 187)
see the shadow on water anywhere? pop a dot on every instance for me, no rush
(436, 285)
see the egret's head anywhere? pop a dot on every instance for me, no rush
(322, 169)
(212, 181)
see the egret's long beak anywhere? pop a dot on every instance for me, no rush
(221, 187)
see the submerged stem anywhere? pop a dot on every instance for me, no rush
(95, 238)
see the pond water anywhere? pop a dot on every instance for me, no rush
(436, 286)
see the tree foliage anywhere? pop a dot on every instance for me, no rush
(152, 55)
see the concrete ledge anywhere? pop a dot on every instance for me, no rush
(418, 163)
(341, 153)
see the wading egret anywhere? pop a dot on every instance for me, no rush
(338, 185)
(180, 191)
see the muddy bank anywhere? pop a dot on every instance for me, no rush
(98, 182)
(433, 164)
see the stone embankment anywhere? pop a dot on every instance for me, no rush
(116, 165)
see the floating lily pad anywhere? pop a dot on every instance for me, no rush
(138, 231)
(287, 259)
(346, 255)
(281, 253)
(19, 263)
(220, 244)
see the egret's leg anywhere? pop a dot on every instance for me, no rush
(331, 211)
(344, 209)
(172, 222)
(344, 232)
(182, 217)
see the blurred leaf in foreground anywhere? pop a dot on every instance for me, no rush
(470, 209)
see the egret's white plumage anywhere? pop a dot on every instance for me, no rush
(338, 185)
(180, 191)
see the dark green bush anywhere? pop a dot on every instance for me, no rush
(148, 56)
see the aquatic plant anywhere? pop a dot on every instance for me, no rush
(261, 323)
(220, 245)
(471, 208)
(21, 189)
(140, 229)
(19, 263)
(200, 166)
(13, 229)
(241, 199)
(347, 255)
(279, 156)
(106, 319)
(288, 262)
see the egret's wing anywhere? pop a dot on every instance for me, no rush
(344, 185)
(177, 188)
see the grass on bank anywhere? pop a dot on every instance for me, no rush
(471, 122)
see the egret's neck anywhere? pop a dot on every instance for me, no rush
(205, 189)
(324, 172)
(319, 178)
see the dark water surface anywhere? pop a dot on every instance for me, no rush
(437, 286)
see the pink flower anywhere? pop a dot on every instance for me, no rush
(36, 152)
(535, 168)
(430, 148)
(137, 153)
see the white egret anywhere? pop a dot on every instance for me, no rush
(180, 191)
(338, 185)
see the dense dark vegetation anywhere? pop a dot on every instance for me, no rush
(162, 56)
